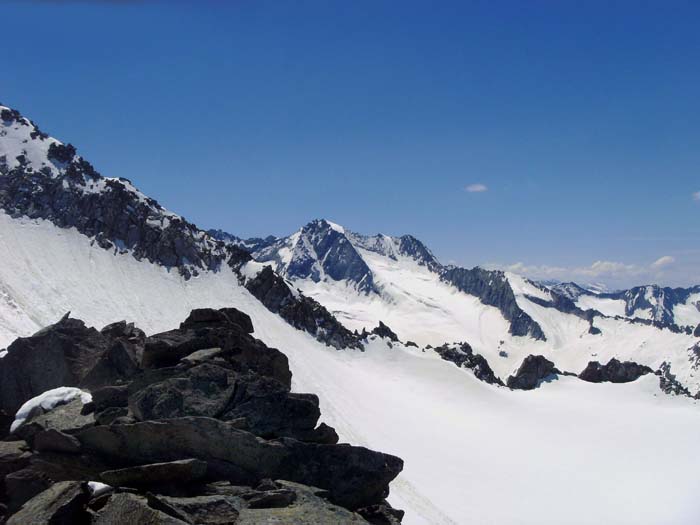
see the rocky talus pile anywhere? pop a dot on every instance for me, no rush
(197, 425)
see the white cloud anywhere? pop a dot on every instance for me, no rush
(663, 261)
(696, 196)
(611, 272)
(476, 188)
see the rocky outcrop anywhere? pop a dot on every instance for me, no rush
(533, 370)
(57, 185)
(614, 372)
(696, 332)
(62, 503)
(62, 354)
(492, 288)
(462, 355)
(318, 251)
(668, 382)
(300, 311)
(383, 330)
(193, 432)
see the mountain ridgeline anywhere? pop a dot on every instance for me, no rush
(335, 284)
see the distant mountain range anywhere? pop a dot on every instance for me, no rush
(402, 349)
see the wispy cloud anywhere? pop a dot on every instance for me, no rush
(663, 261)
(609, 271)
(476, 188)
(696, 196)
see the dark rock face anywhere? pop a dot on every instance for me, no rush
(696, 332)
(301, 312)
(184, 471)
(186, 439)
(5, 423)
(614, 372)
(383, 330)
(532, 371)
(655, 298)
(136, 509)
(61, 355)
(492, 288)
(60, 504)
(463, 356)
(668, 382)
(412, 247)
(69, 192)
(320, 250)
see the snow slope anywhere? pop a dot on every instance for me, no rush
(568, 452)
(416, 304)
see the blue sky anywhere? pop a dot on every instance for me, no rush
(580, 120)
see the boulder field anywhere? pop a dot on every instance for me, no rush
(194, 425)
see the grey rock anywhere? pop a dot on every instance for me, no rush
(614, 371)
(205, 391)
(59, 355)
(270, 499)
(354, 476)
(173, 472)
(300, 311)
(53, 440)
(67, 418)
(110, 415)
(223, 317)
(206, 509)
(533, 370)
(201, 356)
(668, 382)
(13, 457)
(383, 330)
(492, 288)
(462, 355)
(129, 508)
(310, 507)
(110, 396)
(61, 504)
(22, 485)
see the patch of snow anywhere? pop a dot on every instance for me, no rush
(523, 286)
(609, 307)
(336, 227)
(97, 488)
(47, 401)
(688, 314)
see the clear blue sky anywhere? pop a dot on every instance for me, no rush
(582, 119)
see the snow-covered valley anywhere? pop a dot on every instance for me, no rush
(475, 453)
(568, 451)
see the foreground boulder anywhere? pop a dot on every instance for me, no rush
(61, 504)
(185, 426)
(354, 476)
(533, 370)
(60, 355)
(614, 372)
(183, 471)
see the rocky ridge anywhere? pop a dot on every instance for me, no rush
(42, 178)
(194, 425)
